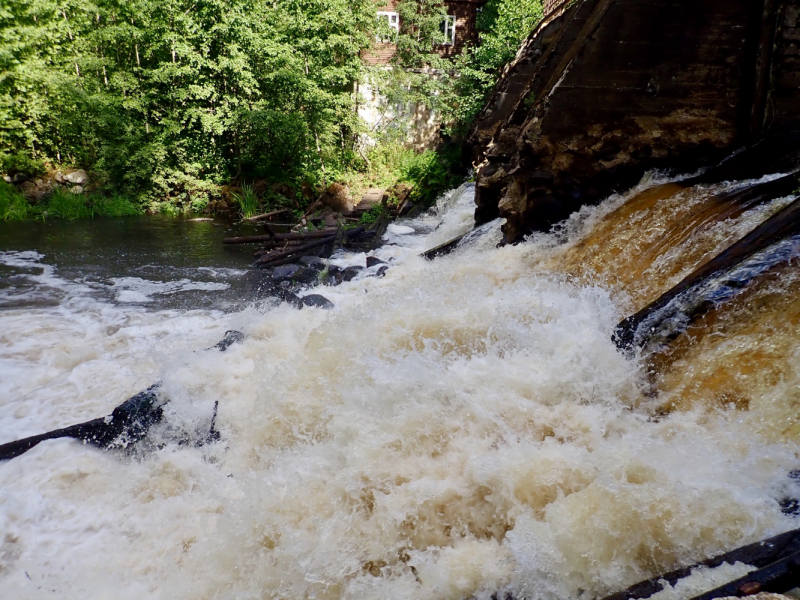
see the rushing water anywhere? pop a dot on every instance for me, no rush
(453, 429)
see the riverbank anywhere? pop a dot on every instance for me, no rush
(36, 190)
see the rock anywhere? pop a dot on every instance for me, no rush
(337, 196)
(330, 219)
(306, 276)
(374, 260)
(316, 301)
(332, 275)
(350, 272)
(382, 271)
(578, 115)
(78, 177)
(284, 271)
(313, 261)
(231, 337)
(59, 177)
(76, 189)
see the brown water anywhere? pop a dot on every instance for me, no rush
(457, 428)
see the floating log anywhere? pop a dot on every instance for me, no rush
(443, 249)
(128, 423)
(782, 548)
(639, 328)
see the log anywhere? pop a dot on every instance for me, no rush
(781, 225)
(271, 259)
(273, 213)
(128, 423)
(268, 237)
(760, 554)
(442, 249)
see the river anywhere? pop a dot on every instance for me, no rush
(456, 428)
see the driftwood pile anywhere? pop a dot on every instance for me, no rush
(285, 248)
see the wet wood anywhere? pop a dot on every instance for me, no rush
(760, 555)
(267, 237)
(268, 215)
(783, 224)
(272, 259)
(442, 249)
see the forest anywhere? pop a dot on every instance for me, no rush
(169, 104)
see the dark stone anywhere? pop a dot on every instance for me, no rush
(284, 272)
(231, 337)
(313, 261)
(613, 88)
(373, 260)
(316, 301)
(332, 276)
(306, 276)
(382, 271)
(350, 272)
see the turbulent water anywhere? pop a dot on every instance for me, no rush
(457, 428)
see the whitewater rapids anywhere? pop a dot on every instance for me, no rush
(457, 428)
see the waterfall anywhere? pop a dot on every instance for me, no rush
(457, 428)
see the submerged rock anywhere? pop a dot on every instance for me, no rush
(317, 301)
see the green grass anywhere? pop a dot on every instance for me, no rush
(247, 200)
(429, 173)
(63, 204)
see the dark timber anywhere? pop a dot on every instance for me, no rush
(780, 226)
(774, 558)
(127, 424)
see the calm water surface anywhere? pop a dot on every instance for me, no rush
(156, 261)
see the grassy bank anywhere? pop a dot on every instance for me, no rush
(63, 204)
(387, 165)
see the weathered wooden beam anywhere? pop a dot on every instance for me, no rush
(442, 249)
(264, 216)
(760, 554)
(783, 224)
(130, 420)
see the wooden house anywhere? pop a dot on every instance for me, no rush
(459, 29)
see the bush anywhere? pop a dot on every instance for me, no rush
(21, 163)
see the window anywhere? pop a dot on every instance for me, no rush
(390, 19)
(448, 28)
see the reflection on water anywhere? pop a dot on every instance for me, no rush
(165, 262)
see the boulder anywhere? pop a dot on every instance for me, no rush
(316, 301)
(338, 197)
(76, 189)
(350, 273)
(579, 114)
(306, 276)
(78, 177)
(314, 262)
(374, 260)
(284, 271)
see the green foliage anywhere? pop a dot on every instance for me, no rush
(503, 25)
(247, 200)
(172, 98)
(63, 204)
(21, 163)
(13, 206)
(373, 214)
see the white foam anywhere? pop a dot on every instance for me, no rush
(459, 427)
